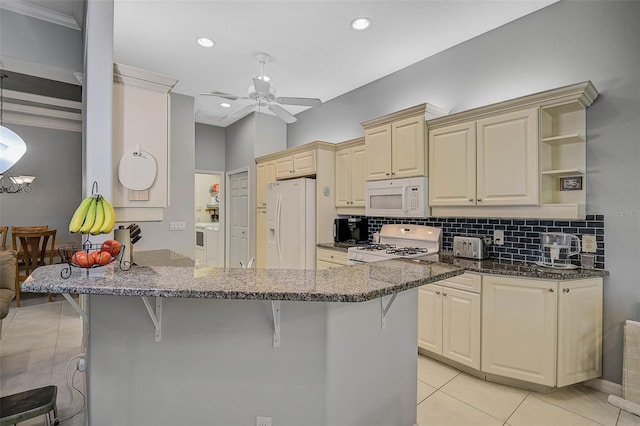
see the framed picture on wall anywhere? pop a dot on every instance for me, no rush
(571, 183)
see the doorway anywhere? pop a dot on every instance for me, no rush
(209, 218)
(238, 182)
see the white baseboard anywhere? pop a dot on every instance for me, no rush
(604, 386)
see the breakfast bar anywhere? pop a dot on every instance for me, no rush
(170, 344)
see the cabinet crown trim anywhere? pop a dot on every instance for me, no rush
(350, 143)
(584, 93)
(126, 74)
(300, 148)
(405, 113)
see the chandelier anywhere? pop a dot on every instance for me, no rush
(12, 148)
(13, 184)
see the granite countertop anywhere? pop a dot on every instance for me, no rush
(343, 247)
(152, 277)
(520, 269)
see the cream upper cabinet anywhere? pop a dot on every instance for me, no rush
(507, 159)
(530, 156)
(452, 165)
(408, 148)
(378, 142)
(488, 162)
(350, 174)
(296, 165)
(449, 318)
(395, 145)
(539, 331)
(265, 173)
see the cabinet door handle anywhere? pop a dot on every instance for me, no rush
(479, 200)
(438, 293)
(565, 290)
(387, 174)
(471, 200)
(444, 294)
(551, 290)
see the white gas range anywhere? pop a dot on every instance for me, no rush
(399, 241)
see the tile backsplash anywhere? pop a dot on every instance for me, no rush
(521, 236)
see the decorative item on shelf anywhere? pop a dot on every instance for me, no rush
(10, 184)
(571, 183)
(89, 256)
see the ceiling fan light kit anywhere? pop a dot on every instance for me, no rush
(264, 95)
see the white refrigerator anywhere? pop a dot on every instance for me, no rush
(291, 224)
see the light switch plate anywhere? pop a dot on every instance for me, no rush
(589, 244)
(177, 226)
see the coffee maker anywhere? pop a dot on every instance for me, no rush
(350, 230)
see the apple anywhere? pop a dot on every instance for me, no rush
(112, 247)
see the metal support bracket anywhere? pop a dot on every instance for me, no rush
(275, 309)
(384, 309)
(75, 306)
(156, 316)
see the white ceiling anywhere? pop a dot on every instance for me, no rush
(314, 51)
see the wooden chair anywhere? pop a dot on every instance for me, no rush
(35, 248)
(3, 237)
(14, 240)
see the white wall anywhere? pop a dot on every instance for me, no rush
(210, 147)
(56, 191)
(156, 235)
(39, 48)
(565, 43)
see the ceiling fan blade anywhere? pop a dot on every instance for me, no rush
(261, 86)
(220, 95)
(312, 102)
(282, 113)
(240, 111)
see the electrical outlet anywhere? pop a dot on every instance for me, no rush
(263, 421)
(177, 226)
(498, 237)
(589, 244)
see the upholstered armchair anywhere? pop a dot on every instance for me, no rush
(7, 282)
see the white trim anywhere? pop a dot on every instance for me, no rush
(40, 12)
(44, 122)
(19, 109)
(604, 386)
(39, 70)
(41, 99)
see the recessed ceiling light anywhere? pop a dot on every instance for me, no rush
(360, 24)
(225, 105)
(206, 42)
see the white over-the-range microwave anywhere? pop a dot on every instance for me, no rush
(406, 197)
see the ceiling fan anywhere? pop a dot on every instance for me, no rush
(263, 94)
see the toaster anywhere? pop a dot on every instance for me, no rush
(470, 247)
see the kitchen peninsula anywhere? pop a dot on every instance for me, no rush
(223, 346)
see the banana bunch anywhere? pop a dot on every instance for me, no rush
(95, 215)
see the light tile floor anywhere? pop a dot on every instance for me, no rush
(39, 339)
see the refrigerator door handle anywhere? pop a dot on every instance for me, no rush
(278, 207)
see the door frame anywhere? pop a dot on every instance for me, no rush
(251, 224)
(222, 209)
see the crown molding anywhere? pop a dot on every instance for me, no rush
(42, 13)
(41, 111)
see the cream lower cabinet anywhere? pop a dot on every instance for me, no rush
(351, 173)
(327, 258)
(449, 319)
(488, 162)
(261, 238)
(544, 332)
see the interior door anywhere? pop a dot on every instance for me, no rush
(238, 219)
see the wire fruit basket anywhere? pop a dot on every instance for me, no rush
(89, 256)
